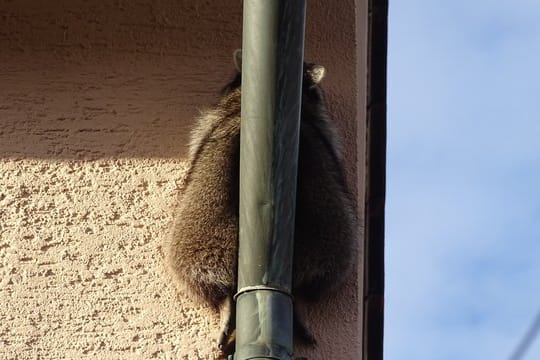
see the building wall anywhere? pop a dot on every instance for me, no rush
(96, 102)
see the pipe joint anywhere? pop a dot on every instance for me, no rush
(247, 289)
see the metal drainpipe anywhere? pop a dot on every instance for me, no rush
(272, 65)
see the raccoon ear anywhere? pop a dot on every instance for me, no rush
(316, 73)
(237, 58)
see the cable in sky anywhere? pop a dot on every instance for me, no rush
(527, 340)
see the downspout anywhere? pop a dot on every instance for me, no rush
(272, 62)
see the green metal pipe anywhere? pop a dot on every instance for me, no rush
(272, 61)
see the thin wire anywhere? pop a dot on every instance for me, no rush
(527, 340)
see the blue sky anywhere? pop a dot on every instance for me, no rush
(463, 196)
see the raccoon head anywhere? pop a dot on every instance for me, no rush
(313, 74)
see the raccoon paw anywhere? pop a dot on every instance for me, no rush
(227, 334)
(227, 342)
(301, 330)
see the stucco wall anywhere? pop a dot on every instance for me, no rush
(96, 102)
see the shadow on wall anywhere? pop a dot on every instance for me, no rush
(91, 111)
(89, 80)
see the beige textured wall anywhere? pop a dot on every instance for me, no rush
(96, 102)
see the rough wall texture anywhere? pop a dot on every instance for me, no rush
(96, 102)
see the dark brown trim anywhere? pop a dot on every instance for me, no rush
(375, 181)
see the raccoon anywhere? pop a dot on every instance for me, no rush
(203, 250)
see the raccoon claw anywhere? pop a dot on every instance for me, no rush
(226, 343)
(222, 341)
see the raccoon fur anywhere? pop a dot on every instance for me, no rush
(203, 250)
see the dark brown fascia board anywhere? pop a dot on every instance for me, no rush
(373, 333)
